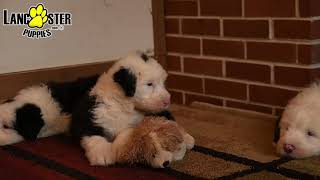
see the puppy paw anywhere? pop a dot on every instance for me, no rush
(98, 151)
(99, 157)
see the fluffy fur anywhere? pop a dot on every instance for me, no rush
(100, 107)
(300, 125)
(155, 141)
(41, 111)
(133, 86)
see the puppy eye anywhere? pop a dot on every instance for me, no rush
(150, 84)
(153, 156)
(310, 133)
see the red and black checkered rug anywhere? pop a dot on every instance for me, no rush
(59, 158)
(230, 145)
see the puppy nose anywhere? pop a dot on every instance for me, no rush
(288, 148)
(165, 164)
(166, 102)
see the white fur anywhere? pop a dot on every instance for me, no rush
(98, 150)
(146, 98)
(9, 136)
(116, 119)
(115, 111)
(301, 115)
(55, 121)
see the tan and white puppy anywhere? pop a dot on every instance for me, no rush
(132, 87)
(299, 125)
(155, 141)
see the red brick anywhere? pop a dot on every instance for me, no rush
(201, 26)
(220, 7)
(270, 95)
(295, 76)
(173, 63)
(309, 54)
(172, 26)
(181, 7)
(297, 29)
(185, 83)
(233, 49)
(176, 97)
(190, 98)
(270, 8)
(309, 8)
(292, 29)
(252, 72)
(226, 89)
(203, 66)
(246, 28)
(273, 52)
(183, 45)
(250, 107)
(315, 29)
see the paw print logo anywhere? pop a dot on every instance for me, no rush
(38, 16)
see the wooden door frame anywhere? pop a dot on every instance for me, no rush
(159, 35)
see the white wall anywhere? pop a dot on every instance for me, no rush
(101, 30)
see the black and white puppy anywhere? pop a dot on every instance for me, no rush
(133, 87)
(41, 111)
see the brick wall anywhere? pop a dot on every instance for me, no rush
(247, 54)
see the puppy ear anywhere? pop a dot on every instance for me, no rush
(144, 57)
(127, 80)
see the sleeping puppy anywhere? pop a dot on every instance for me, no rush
(41, 111)
(133, 86)
(299, 127)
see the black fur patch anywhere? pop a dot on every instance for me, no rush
(167, 114)
(82, 120)
(144, 57)
(127, 80)
(276, 135)
(68, 93)
(29, 121)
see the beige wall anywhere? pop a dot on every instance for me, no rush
(101, 30)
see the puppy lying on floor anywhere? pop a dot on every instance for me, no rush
(43, 110)
(100, 107)
(133, 86)
(298, 132)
